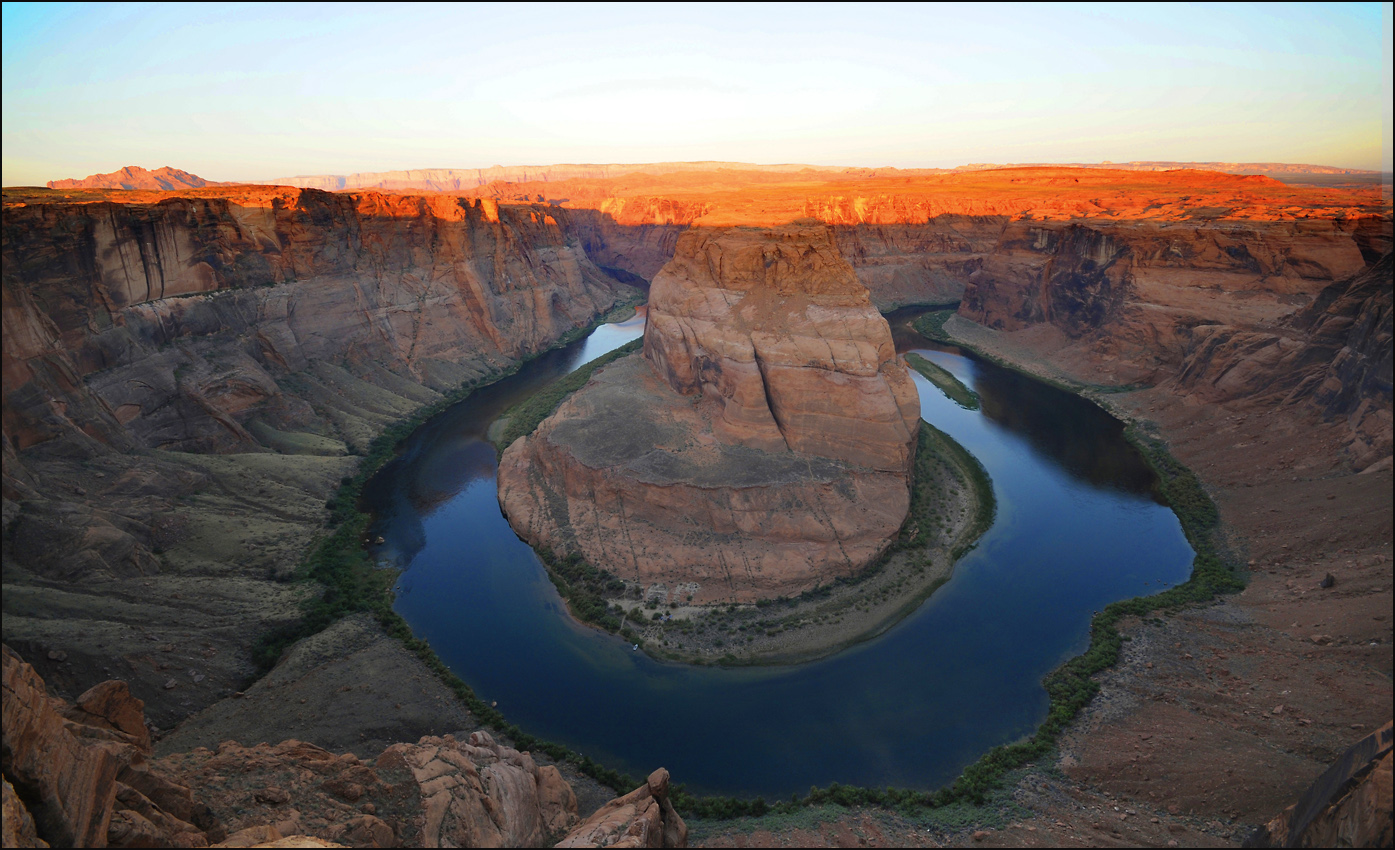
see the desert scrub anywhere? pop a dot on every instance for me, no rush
(947, 383)
(985, 503)
(932, 325)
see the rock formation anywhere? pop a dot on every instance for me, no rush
(1335, 354)
(642, 818)
(279, 330)
(760, 447)
(176, 325)
(82, 771)
(83, 776)
(1348, 806)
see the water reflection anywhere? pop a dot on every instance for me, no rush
(1085, 440)
(912, 707)
(1068, 430)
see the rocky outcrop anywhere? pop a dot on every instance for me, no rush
(1348, 806)
(774, 327)
(84, 773)
(481, 794)
(134, 177)
(760, 447)
(642, 818)
(82, 776)
(1335, 355)
(437, 792)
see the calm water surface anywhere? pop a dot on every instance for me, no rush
(1077, 528)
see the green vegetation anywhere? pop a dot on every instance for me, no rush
(933, 440)
(524, 417)
(352, 584)
(932, 326)
(948, 384)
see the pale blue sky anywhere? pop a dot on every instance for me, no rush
(247, 92)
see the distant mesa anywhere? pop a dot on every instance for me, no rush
(134, 177)
(470, 179)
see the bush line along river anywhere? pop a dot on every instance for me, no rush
(1080, 525)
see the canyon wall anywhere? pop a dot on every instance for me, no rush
(186, 377)
(187, 381)
(180, 325)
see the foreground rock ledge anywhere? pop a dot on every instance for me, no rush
(760, 447)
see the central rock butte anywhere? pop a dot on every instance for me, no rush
(761, 446)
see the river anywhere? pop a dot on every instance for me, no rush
(1077, 528)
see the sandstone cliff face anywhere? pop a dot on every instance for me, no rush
(1218, 310)
(1080, 276)
(185, 383)
(174, 325)
(84, 773)
(1335, 354)
(760, 447)
(776, 329)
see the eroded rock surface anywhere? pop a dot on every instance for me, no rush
(642, 818)
(88, 775)
(760, 446)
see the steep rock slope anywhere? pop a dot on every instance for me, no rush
(1335, 354)
(185, 383)
(169, 326)
(761, 446)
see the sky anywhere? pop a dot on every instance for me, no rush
(245, 92)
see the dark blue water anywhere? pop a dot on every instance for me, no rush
(1077, 528)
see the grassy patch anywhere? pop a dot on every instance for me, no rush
(942, 378)
(985, 503)
(525, 417)
(932, 326)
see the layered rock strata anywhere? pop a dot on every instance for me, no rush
(762, 444)
(188, 379)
